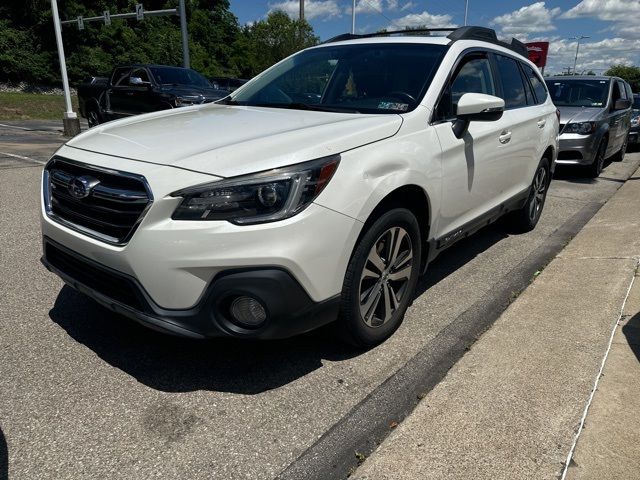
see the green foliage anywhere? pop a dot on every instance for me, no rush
(629, 73)
(218, 45)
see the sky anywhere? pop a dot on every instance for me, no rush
(612, 25)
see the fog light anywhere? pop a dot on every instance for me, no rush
(248, 312)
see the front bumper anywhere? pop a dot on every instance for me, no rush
(289, 309)
(577, 149)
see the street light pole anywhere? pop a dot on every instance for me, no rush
(186, 62)
(353, 17)
(301, 9)
(70, 120)
(575, 60)
(466, 11)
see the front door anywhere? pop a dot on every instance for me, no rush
(472, 166)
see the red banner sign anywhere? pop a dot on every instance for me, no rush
(538, 53)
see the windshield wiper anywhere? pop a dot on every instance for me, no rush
(305, 106)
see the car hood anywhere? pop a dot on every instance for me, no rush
(579, 114)
(227, 140)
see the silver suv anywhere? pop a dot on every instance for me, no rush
(595, 118)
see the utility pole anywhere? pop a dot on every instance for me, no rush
(353, 17)
(578, 38)
(186, 62)
(70, 120)
(301, 10)
(466, 11)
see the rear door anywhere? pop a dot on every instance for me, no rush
(525, 120)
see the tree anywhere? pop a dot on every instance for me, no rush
(269, 41)
(629, 73)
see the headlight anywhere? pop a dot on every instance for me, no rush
(582, 128)
(257, 198)
(634, 121)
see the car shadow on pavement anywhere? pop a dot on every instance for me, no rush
(173, 364)
(461, 253)
(631, 331)
(4, 457)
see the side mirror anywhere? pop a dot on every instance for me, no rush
(622, 104)
(476, 107)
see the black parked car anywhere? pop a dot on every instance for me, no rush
(135, 89)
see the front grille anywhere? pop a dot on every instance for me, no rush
(113, 285)
(101, 203)
(561, 127)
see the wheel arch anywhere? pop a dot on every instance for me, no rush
(413, 198)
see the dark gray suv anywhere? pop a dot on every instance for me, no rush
(595, 118)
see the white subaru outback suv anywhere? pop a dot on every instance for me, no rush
(318, 191)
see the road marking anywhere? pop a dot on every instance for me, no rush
(22, 157)
(15, 126)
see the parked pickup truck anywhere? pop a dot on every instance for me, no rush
(131, 90)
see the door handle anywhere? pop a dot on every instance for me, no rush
(541, 123)
(505, 137)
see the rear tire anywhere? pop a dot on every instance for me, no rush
(381, 279)
(595, 169)
(526, 218)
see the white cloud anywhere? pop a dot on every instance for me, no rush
(422, 19)
(611, 10)
(597, 56)
(621, 12)
(526, 20)
(323, 9)
(378, 6)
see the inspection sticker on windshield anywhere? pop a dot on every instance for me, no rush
(401, 107)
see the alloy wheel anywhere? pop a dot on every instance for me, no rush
(93, 119)
(539, 192)
(385, 276)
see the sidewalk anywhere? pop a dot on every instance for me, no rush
(513, 406)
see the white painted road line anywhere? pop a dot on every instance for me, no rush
(14, 126)
(22, 157)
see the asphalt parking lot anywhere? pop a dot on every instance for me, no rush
(87, 394)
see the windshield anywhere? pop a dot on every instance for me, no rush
(179, 76)
(636, 102)
(371, 78)
(579, 93)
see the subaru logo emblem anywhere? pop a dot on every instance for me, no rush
(80, 187)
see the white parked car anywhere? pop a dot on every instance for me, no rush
(318, 191)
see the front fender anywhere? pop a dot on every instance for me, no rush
(366, 175)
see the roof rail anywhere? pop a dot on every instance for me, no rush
(482, 34)
(408, 31)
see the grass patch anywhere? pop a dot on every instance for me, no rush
(33, 106)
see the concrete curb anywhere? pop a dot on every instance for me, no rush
(513, 405)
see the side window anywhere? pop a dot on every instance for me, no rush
(120, 77)
(623, 90)
(537, 84)
(512, 86)
(473, 75)
(140, 73)
(616, 94)
(531, 100)
(629, 92)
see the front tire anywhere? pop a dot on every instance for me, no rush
(381, 279)
(595, 169)
(619, 156)
(526, 218)
(93, 118)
